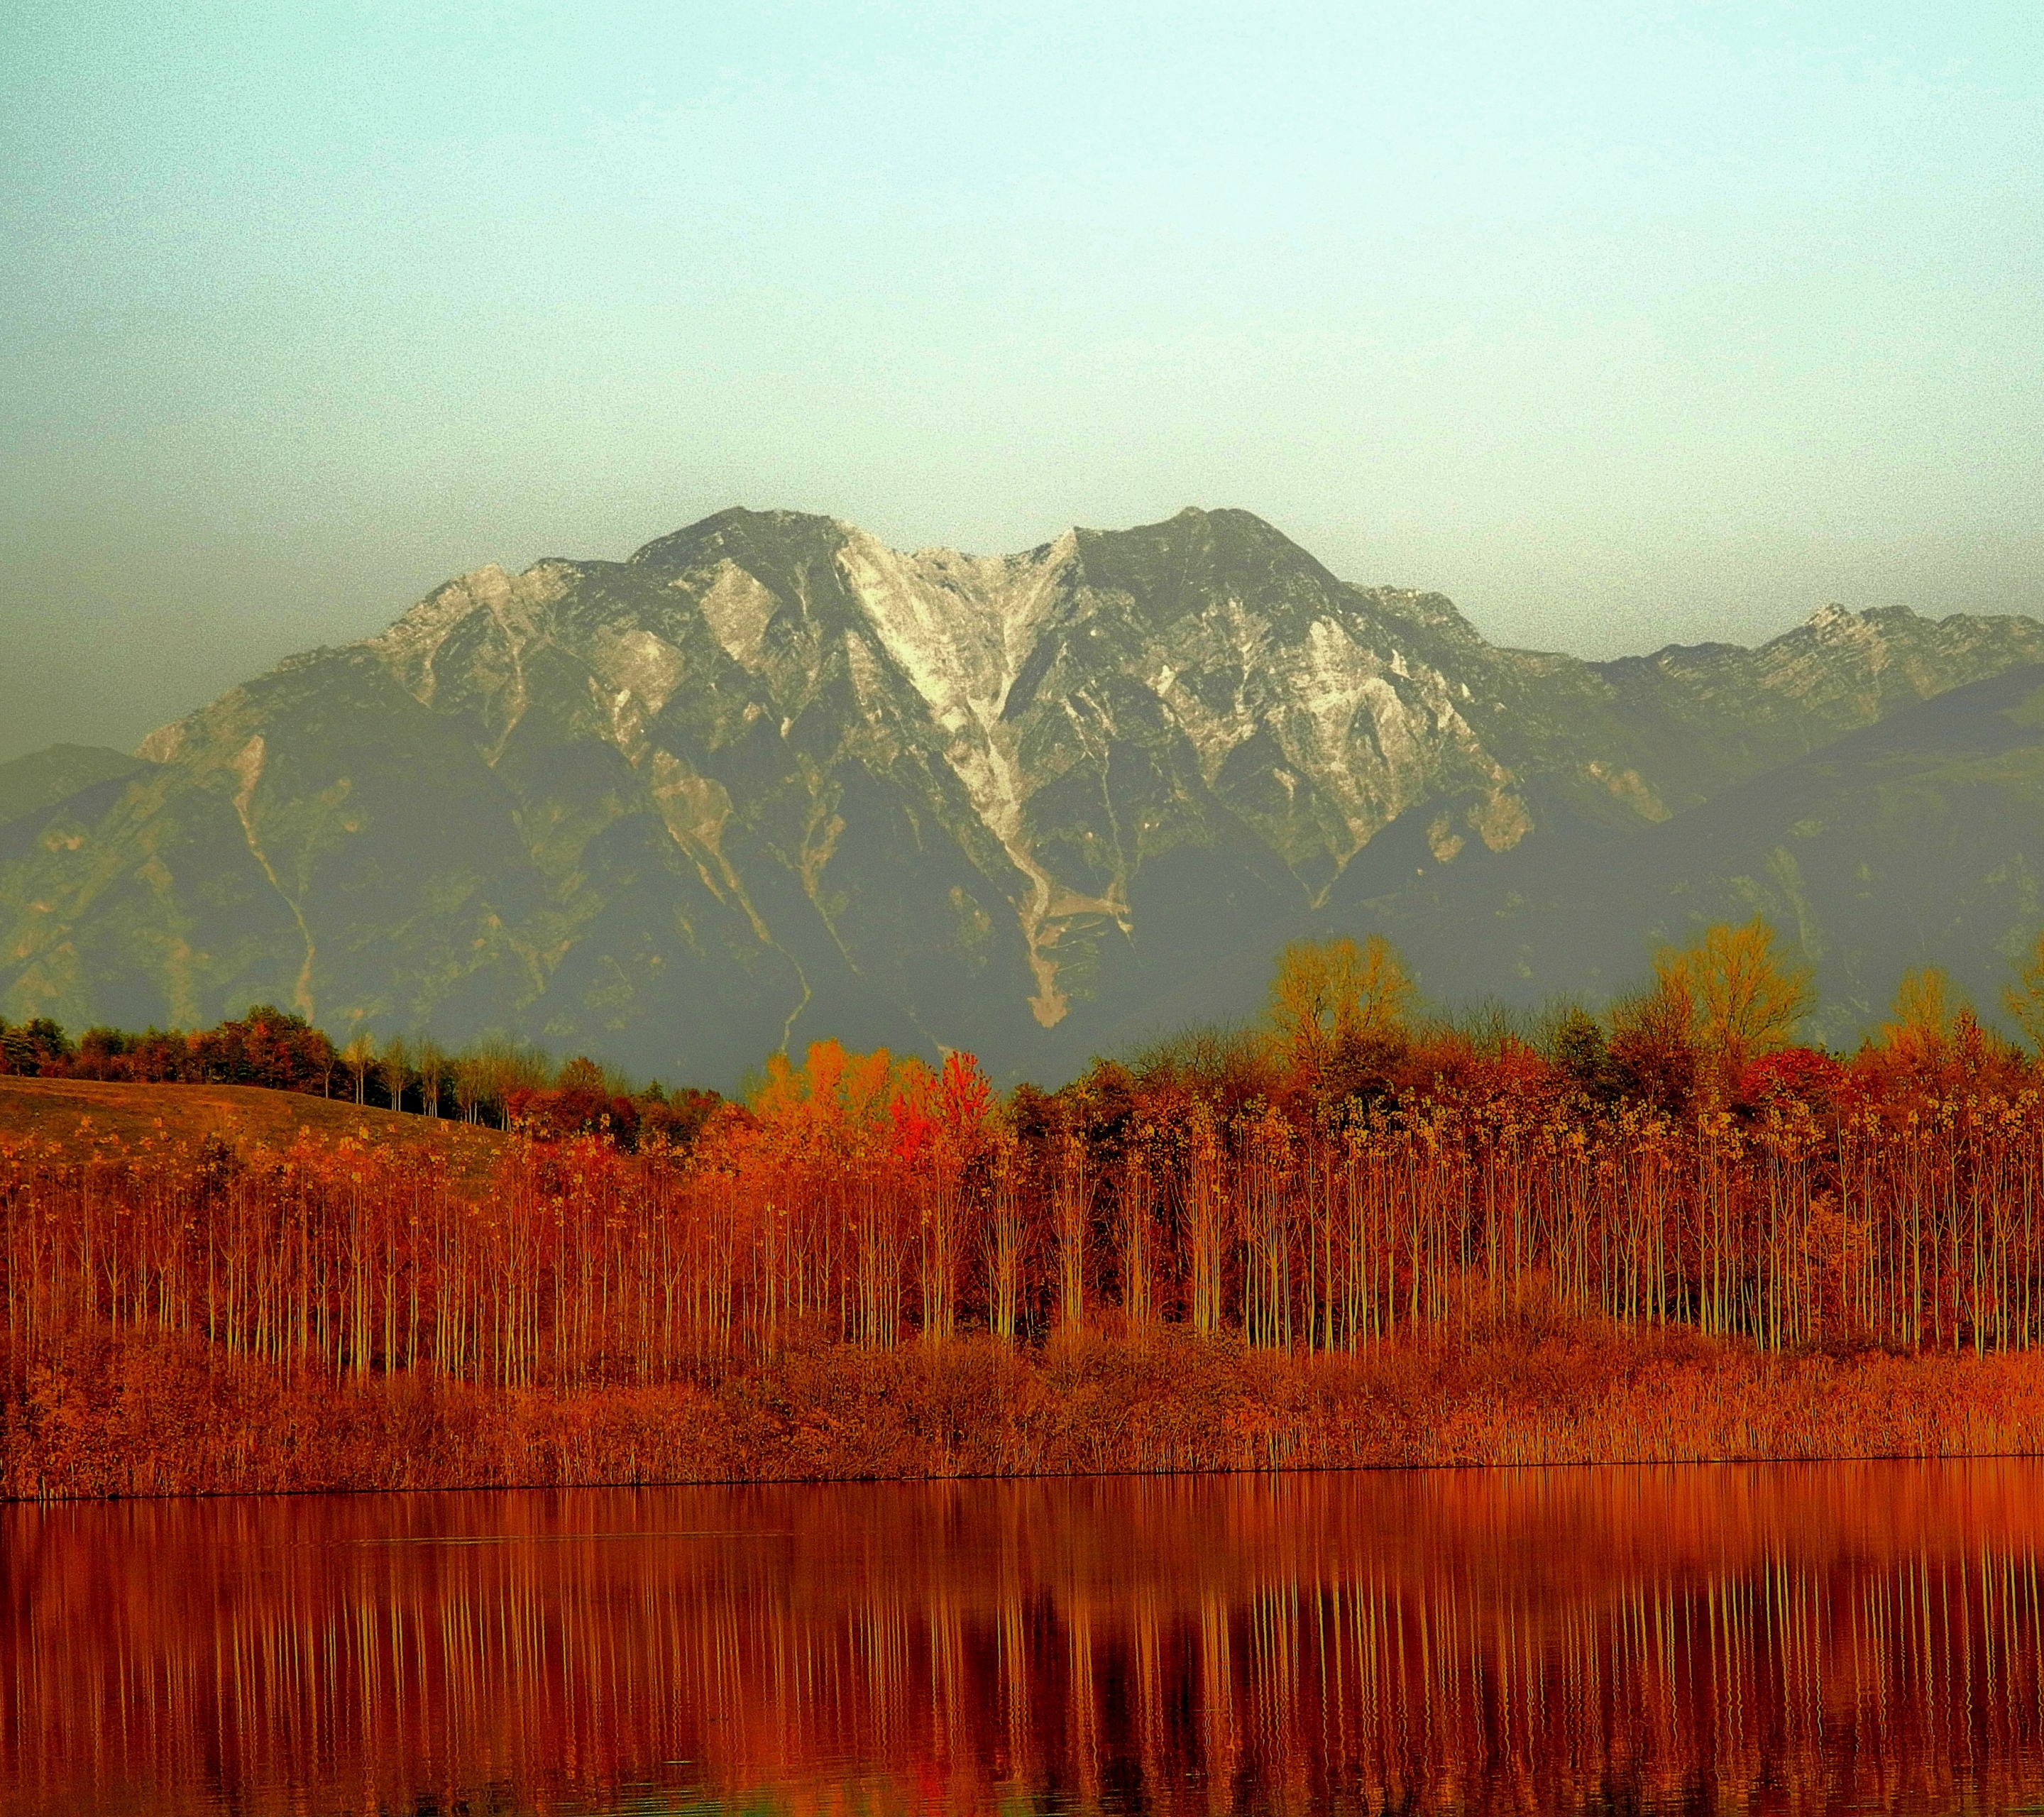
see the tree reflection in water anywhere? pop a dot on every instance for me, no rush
(1791, 1638)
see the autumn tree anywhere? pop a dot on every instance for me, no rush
(1329, 994)
(501, 1067)
(279, 1049)
(1744, 998)
(37, 1046)
(466, 1073)
(1919, 1026)
(435, 1071)
(359, 1058)
(2024, 999)
(676, 1118)
(393, 1070)
(1578, 1046)
(1651, 1058)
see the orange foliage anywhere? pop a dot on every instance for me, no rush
(1202, 1213)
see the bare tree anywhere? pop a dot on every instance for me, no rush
(359, 1058)
(468, 1086)
(394, 1069)
(433, 1068)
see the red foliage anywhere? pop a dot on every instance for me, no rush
(1800, 1074)
(862, 1203)
(557, 1115)
(267, 1047)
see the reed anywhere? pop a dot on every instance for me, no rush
(1803, 1209)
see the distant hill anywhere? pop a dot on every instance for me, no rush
(1916, 841)
(43, 778)
(769, 780)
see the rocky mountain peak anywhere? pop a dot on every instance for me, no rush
(769, 775)
(777, 537)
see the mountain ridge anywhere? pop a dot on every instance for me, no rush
(767, 777)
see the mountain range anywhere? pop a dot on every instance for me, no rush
(769, 779)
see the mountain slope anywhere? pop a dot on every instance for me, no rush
(768, 779)
(1916, 841)
(45, 778)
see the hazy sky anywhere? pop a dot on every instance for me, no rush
(1619, 324)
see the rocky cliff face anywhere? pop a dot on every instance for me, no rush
(769, 779)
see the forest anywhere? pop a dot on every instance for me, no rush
(496, 1081)
(1348, 1234)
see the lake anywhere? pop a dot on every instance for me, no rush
(1752, 1638)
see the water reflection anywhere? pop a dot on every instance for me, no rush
(1786, 1638)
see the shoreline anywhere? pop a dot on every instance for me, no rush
(133, 1416)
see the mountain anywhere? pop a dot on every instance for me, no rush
(769, 779)
(1916, 841)
(45, 778)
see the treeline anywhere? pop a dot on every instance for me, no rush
(501, 1083)
(1342, 1177)
(265, 1047)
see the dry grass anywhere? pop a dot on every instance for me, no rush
(79, 1118)
(150, 1414)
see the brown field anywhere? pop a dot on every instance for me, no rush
(78, 1118)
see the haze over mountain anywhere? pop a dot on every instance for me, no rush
(769, 780)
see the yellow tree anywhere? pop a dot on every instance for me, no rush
(2025, 998)
(1921, 1022)
(1742, 997)
(1328, 992)
(829, 1122)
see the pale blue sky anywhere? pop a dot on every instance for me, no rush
(1620, 324)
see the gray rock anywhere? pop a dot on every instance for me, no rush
(769, 781)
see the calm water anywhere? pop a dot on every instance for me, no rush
(1856, 1637)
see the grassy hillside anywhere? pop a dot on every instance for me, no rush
(77, 1117)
